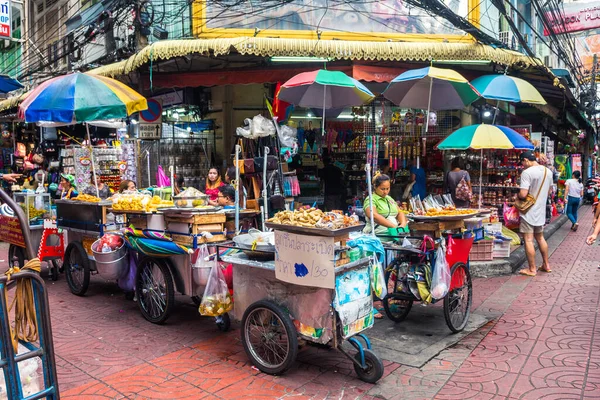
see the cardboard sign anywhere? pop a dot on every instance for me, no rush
(305, 260)
(11, 231)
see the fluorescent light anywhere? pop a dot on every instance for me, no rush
(471, 62)
(189, 128)
(134, 121)
(175, 115)
(487, 114)
(349, 116)
(299, 59)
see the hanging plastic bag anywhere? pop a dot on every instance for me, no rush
(377, 278)
(201, 268)
(262, 127)
(440, 282)
(246, 131)
(162, 180)
(511, 216)
(216, 300)
(287, 136)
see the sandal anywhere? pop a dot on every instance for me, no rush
(377, 314)
(544, 270)
(526, 272)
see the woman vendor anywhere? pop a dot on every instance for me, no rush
(212, 185)
(103, 189)
(386, 212)
(127, 185)
(67, 187)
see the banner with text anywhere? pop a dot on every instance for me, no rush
(11, 231)
(305, 260)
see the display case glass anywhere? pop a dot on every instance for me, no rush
(35, 205)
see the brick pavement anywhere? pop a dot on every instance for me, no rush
(543, 343)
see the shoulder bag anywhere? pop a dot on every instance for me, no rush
(463, 191)
(524, 205)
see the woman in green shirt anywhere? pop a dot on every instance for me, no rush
(386, 213)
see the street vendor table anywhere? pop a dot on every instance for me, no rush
(274, 314)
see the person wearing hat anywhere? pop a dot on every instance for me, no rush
(68, 188)
(536, 180)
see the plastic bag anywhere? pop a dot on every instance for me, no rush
(246, 131)
(377, 279)
(216, 300)
(440, 282)
(511, 216)
(287, 136)
(162, 180)
(262, 127)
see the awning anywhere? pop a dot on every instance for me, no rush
(89, 15)
(332, 49)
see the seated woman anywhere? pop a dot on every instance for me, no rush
(127, 185)
(226, 197)
(386, 212)
(68, 188)
(102, 189)
(212, 185)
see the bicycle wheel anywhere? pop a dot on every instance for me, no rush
(457, 303)
(55, 267)
(269, 337)
(77, 268)
(396, 309)
(154, 290)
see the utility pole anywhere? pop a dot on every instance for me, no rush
(141, 25)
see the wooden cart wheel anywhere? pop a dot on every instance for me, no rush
(16, 253)
(457, 303)
(154, 289)
(77, 268)
(269, 337)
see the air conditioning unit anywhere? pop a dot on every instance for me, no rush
(508, 38)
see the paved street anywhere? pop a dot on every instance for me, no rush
(543, 342)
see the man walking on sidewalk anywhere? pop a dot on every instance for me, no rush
(536, 180)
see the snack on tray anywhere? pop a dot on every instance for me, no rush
(307, 218)
(334, 221)
(190, 192)
(86, 198)
(157, 202)
(132, 202)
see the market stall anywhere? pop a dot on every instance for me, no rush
(311, 264)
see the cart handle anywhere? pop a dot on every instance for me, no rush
(23, 221)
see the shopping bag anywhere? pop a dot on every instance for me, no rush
(377, 278)
(440, 282)
(216, 300)
(511, 216)
(201, 268)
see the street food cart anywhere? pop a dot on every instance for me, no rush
(309, 292)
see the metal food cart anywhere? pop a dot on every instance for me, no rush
(277, 316)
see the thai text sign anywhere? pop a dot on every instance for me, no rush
(5, 19)
(305, 260)
(10, 231)
(574, 17)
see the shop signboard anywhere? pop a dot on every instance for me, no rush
(574, 17)
(305, 260)
(5, 19)
(11, 231)
(150, 131)
(303, 18)
(536, 140)
(170, 99)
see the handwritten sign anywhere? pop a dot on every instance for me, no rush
(305, 260)
(11, 231)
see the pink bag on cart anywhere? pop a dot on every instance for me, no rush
(162, 180)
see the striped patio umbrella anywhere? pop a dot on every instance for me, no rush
(155, 247)
(507, 88)
(482, 136)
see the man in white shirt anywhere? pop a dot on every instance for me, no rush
(536, 180)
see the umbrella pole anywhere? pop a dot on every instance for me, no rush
(370, 186)
(428, 104)
(265, 183)
(87, 128)
(324, 100)
(480, 179)
(496, 112)
(238, 149)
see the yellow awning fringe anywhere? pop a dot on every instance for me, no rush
(333, 49)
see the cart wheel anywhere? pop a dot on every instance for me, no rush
(396, 309)
(374, 367)
(154, 290)
(16, 253)
(77, 268)
(457, 303)
(269, 337)
(55, 267)
(223, 322)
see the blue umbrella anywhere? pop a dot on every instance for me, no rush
(8, 84)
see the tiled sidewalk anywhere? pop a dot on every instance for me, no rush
(542, 343)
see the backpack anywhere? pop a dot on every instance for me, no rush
(463, 191)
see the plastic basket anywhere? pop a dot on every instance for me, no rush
(482, 250)
(458, 250)
(501, 249)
